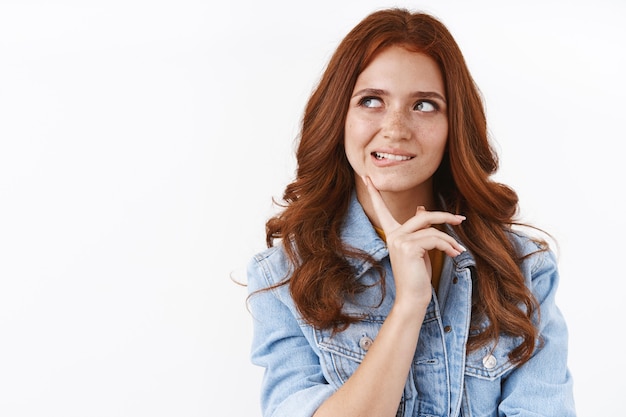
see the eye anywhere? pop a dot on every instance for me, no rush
(371, 102)
(426, 106)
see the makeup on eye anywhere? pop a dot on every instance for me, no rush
(370, 102)
(427, 101)
(426, 106)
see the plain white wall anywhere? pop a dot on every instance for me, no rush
(141, 143)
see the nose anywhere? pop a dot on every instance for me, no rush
(396, 125)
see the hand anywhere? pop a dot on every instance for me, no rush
(409, 244)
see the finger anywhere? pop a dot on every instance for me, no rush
(424, 218)
(387, 222)
(451, 248)
(432, 238)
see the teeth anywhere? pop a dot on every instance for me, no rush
(383, 155)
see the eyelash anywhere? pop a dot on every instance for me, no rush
(432, 103)
(368, 98)
(363, 100)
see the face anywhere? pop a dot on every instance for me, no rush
(397, 125)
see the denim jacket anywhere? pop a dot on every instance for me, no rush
(305, 365)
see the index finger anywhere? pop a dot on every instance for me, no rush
(387, 222)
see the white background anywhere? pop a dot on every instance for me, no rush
(141, 143)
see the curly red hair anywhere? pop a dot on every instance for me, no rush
(316, 202)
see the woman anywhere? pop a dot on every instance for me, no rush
(394, 283)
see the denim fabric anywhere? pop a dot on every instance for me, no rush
(304, 365)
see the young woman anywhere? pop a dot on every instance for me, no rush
(395, 283)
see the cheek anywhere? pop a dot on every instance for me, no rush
(352, 152)
(354, 147)
(353, 135)
(358, 132)
(439, 138)
(440, 149)
(442, 139)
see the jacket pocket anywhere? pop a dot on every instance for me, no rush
(491, 363)
(344, 351)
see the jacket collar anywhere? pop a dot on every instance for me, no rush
(358, 232)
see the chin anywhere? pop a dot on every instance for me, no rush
(396, 185)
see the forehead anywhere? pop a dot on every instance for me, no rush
(400, 66)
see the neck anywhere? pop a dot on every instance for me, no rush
(401, 205)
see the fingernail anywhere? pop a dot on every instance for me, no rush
(460, 216)
(462, 248)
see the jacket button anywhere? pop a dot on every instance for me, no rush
(490, 361)
(365, 343)
(455, 280)
(447, 329)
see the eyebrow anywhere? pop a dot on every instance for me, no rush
(417, 94)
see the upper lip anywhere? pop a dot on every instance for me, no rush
(394, 152)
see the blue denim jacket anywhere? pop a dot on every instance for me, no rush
(304, 365)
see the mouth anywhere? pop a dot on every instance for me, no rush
(390, 156)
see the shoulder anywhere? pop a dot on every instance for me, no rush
(538, 262)
(268, 268)
(268, 287)
(525, 243)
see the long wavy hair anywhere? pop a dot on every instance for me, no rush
(316, 202)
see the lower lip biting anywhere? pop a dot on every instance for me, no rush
(384, 162)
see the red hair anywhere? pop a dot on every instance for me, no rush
(316, 202)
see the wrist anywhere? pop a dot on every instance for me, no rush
(412, 310)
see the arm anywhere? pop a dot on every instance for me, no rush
(543, 385)
(376, 387)
(293, 384)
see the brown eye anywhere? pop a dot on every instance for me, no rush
(425, 106)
